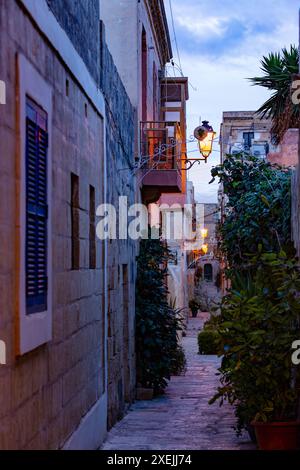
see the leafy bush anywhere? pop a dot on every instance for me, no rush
(213, 322)
(260, 315)
(258, 209)
(157, 323)
(209, 336)
(207, 342)
(259, 322)
(179, 363)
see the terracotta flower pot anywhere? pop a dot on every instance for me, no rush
(278, 436)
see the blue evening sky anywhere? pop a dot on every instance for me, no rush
(220, 44)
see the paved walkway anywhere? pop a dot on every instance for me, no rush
(182, 418)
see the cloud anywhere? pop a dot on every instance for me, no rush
(213, 38)
(203, 27)
(220, 46)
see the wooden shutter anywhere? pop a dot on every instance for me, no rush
(36, 209)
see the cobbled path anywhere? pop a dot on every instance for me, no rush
(181, 419)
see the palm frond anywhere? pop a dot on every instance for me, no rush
(278, 69)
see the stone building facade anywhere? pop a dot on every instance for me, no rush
(138, 39)
(69, 142)
(287, 154)
(211, 219)
(66, 297)
(246, 131)
(121, 263)
(177, 215)
(207, 270)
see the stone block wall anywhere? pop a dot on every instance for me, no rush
(287, 154)
(80, 20)
(45, 393)
(120, 133)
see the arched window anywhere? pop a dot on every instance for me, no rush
(208, 272)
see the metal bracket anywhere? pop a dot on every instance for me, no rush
(190, 162)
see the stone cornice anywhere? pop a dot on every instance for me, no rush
(157, 15)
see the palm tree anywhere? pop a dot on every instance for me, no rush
(279, 69)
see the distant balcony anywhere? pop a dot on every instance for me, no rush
(161, 153)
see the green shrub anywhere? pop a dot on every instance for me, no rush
(157, 323)
(257, 326)
(258, 209)
(260, 315)
(179, 361)
(212, 323)
(207, 342)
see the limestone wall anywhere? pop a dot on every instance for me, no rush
(120, 134)
(80, 20)
(287, 152)
(45, 393)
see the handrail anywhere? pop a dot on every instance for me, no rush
(161, 144)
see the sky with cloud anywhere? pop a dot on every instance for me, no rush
(220, 44)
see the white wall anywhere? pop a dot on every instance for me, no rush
(121, 19)
(124, 22)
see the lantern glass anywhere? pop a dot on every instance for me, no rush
(206, 144)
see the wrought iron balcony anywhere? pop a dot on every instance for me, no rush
(161, 145)
(161, 153)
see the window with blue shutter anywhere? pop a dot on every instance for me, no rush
(36, 251)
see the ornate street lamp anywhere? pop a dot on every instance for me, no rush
(205, 136)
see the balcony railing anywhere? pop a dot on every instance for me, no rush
(161, 145)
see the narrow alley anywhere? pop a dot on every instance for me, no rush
(149, 228)
(182, 418)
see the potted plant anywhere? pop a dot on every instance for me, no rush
(194, 307)
(258, 324)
